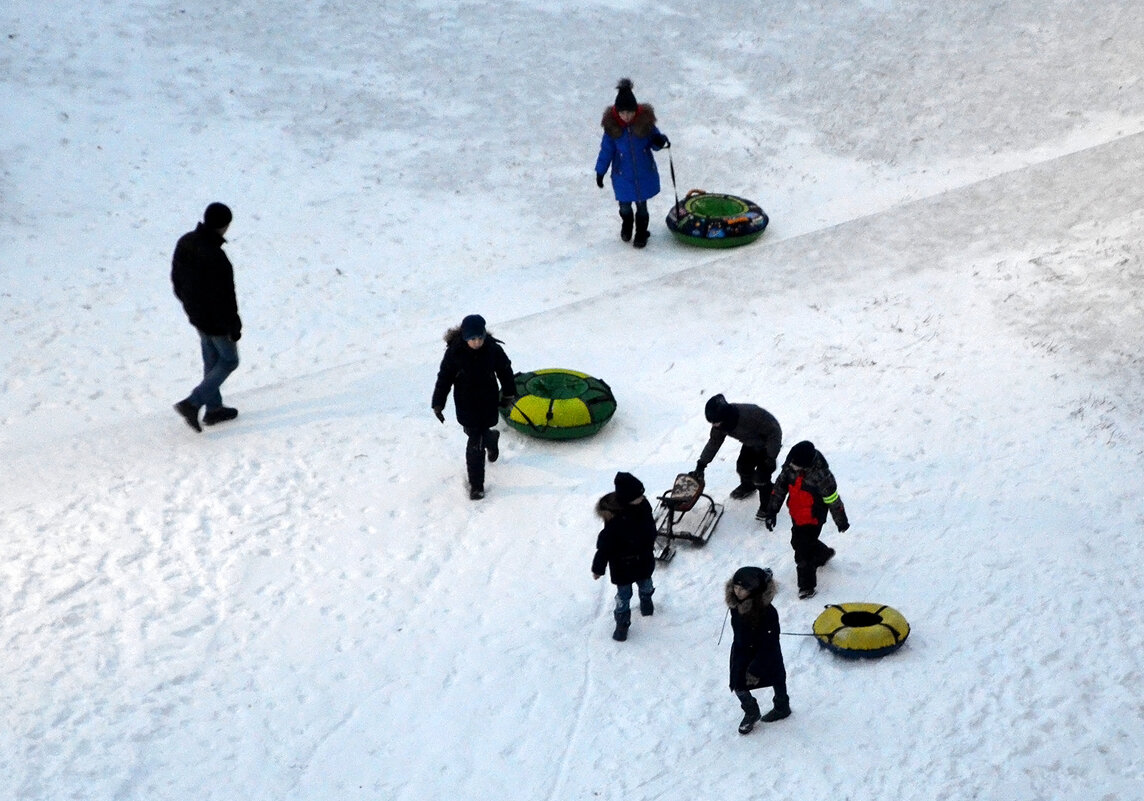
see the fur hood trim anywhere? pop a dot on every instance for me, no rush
(453, 335)
(608, 507)
(752, 603)
(641, 123)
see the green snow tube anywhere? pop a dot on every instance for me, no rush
(712, 220)
(560, 404)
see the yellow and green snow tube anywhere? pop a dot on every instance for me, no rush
(560, 404)
(861, 629)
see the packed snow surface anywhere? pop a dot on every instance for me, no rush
(304, 605)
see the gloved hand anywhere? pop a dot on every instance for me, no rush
(507, 401)
(844, 527)
(237, 335)
(698, 471)
(769, 521)
(659, 140)
(600, 180)
(440, 413)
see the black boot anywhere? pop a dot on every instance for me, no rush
(751, 714)
(641, 230)
(623, 622)
(647, 607)
(745, 489)
(626, 222)
(780, 710)
(492, 444)
(807, 579)
(475, 463)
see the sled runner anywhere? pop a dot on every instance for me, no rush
(686, 513)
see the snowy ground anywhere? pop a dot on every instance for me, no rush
(304, 604)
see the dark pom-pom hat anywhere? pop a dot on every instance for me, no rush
(625, 98)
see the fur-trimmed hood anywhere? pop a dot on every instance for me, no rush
(453, 335)
(752, 606)
(608, 507)
(641, 123)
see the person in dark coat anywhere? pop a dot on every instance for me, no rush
(477, 370)
(626, 548)
(756, 654)
(761, 436)
(203, 280)
(630, 136)
(810, 491)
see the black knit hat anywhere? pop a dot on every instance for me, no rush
(716, 409)
(217, 215)
(628, 487)
(802, 454)
(473, 327)
(625, 99)
(752, 578)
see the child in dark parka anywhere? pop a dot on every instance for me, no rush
(626, 548)
(756, 655)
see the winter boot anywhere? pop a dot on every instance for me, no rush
(807, 579)
(751, 714)
(626, 222)
(825, 554)
(475, 466)
(219, 415)
(623, 622)
(745, 490)
(641, 230)
(647, 607)
(492, 444)
(189, 412)
(780, 710)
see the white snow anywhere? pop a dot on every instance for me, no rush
(303, 604)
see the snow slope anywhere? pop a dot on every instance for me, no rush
(305, 605)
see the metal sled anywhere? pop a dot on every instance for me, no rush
(686, 513)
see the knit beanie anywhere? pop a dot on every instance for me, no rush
(625, 99)
(752, 578)
(716, 409)
(628, 487)
(217, 216)
(802, 454)
(473, 327)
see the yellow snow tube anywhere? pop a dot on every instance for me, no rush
(560, 404)
(861, 629)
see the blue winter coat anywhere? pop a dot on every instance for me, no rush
(627, 150)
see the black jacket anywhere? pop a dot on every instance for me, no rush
(820, 484)
(477, 378)
(754, 426)
(203, 280)
(626, 544)
(756, 650)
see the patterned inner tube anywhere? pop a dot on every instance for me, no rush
(560, 404)
(713, 220)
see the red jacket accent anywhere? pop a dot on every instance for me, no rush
(801, 505)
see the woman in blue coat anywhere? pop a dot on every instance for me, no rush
(629, 138)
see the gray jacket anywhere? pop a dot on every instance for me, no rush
(755, 428)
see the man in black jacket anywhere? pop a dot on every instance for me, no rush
(761, 438)
(203, 280)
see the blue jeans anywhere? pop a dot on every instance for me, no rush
(624, 594)
(220, 359)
